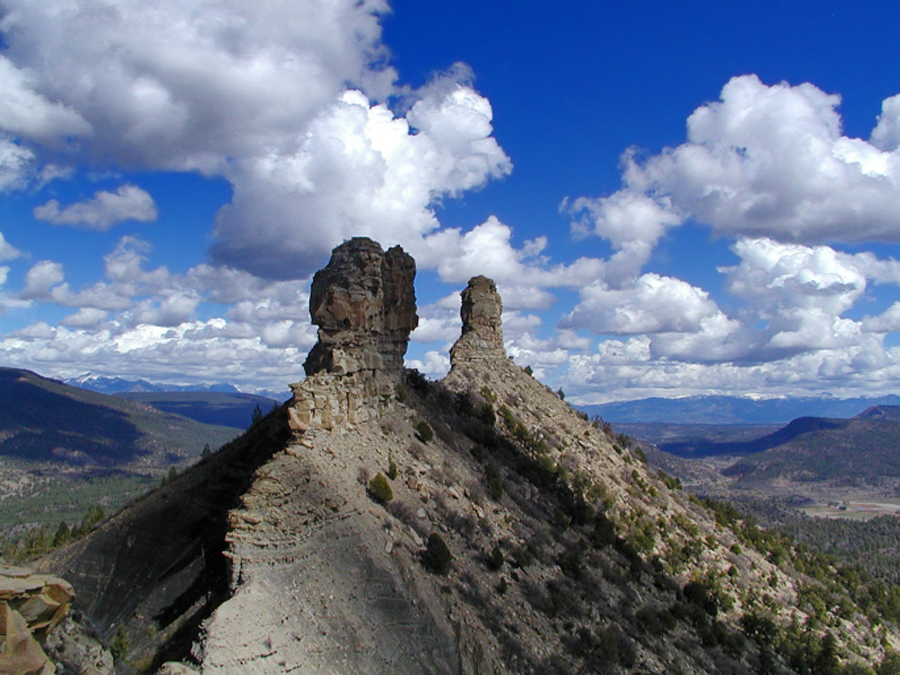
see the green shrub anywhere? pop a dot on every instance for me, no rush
(437, 556)
(603, 533)
(494, 484)
(521, 557)
(392, 470)
(703, 596)
(417, 380)
(759, 627)
(654, 622)
(424, 432)
(486, 414)
(890, 664)
(119, 645)
(63, 535)
(380, 489)
(256, 416)
(495, 559)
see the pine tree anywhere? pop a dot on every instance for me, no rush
(63, 535)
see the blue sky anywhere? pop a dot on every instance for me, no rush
(674, 198)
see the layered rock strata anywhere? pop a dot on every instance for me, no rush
(307, 547)
(364, 304)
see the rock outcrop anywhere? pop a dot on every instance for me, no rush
(364, 304)
(482, 332)
(31, 605)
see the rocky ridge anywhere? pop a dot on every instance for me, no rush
(515, 536)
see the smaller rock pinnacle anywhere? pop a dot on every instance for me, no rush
(482, 333)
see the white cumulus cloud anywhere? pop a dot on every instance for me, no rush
(359, 170)
(16, 164)
(287, 101)
(103, 210)
(653, 304)
(7, 250)
(764, 161)
(41, 278)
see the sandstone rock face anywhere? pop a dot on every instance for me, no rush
(319, 585)
(482, 334)
(31, 605)
(365, 306)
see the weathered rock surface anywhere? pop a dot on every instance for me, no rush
(31, 606)
(364, 304)
(482, 333)
(73, 648)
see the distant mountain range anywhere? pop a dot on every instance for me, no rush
(118, 385)
(45, 420)
(732, 409)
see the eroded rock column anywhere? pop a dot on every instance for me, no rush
(364, 304)
(482, 333)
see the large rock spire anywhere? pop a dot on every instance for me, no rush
(364, 304)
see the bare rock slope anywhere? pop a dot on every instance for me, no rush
(382, 523)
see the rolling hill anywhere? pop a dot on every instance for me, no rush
(862, 451)
(63, 448)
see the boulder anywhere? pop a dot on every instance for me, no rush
(31, 605)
